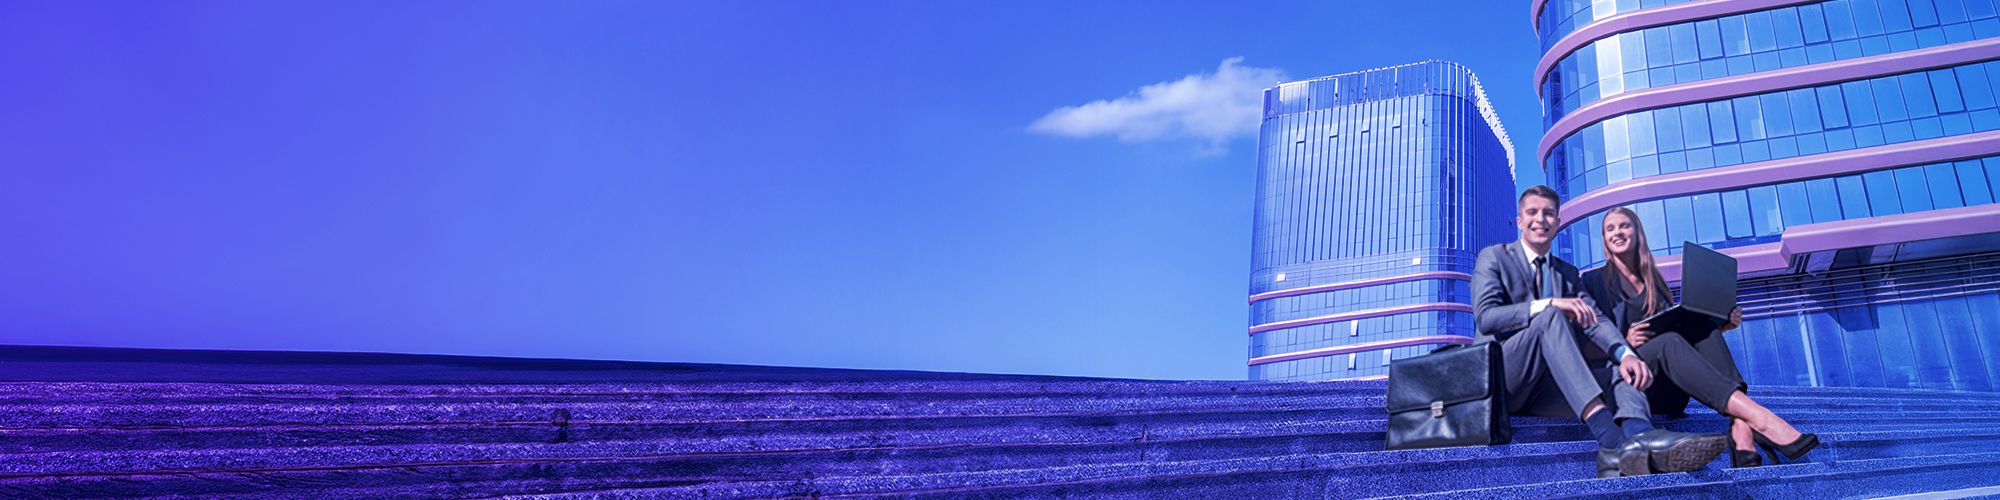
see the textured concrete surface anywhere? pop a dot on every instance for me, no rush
(87, 423)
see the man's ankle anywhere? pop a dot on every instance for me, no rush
(1604, 429)
(1634, 426)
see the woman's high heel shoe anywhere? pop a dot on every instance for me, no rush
(1791, 451)
(1740, 459)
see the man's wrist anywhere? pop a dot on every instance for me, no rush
(1625, 351)
(1538, 305)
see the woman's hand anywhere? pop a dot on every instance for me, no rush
(1638, 334)
(1735, 320)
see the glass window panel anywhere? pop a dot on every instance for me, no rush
(1685, 50)
(1899, 363)
(1708, 221)
(1977, 92)
(1805, 110)
(1764, 211)
(1895, 16)
(1680, 221)
(1785, 26)
(1736, 211)
(1882, 194)
(1860, 103)
(1834, 109)
(1694, 125)
(1839, 20)
(1867, 18)
(1667, 127)
(1978, 9)
(1825, 200)
(1654, 223)
(1889, 99)
(1735, 36)
(1913, 187)
(1762, 36)
(1722, 122)
(1708, 36)
(1853, 197)
(1796, 210)
(1972, 180)
(1864, 356)
(1777, 113)
(1827, 352)
(1615, 136)
(1640, 126)
(1632, 50)
(1749, 118)
(1922, 14)
(1944, 85)
(1944, 185)
(1917, 93)
(1813, 22)
(1993, 174)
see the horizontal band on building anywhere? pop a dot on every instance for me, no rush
(1642, 19)
(1367, 378)
(1888, 283)
(1766, 81)
(1362, 314)
(1363, 283)
(1362, 347)
(1765, 173)
(1852, 233)
(1765, 291)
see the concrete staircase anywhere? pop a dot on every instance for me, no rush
(84, 423)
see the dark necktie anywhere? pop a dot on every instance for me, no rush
(1537, 287)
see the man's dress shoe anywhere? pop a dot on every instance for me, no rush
(1672, 451)
(1629, 459)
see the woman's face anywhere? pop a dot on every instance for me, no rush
(1618, 233)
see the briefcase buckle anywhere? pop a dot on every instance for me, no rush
(1437, 409)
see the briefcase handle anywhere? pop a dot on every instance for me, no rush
(1448, 347)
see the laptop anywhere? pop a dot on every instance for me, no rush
(1708, 293)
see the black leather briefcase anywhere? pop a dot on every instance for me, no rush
(1455, 396)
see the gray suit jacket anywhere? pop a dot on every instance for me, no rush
(1501, 295)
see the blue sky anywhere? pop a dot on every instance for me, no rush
(906, 185)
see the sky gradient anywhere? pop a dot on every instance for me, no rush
(853, 184)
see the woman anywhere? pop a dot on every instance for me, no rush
(1629, 288)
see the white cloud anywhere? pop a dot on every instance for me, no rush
(1210, 107)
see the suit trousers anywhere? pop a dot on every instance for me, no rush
(1703, 369)
(1549, 373)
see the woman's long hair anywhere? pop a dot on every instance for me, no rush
(1650, 281)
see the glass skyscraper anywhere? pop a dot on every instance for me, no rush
(1846, 152)
(1375, 191)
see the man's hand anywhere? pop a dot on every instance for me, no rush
(1638, 334)
(1581, 314)
(1635, 372)
(1735, 320)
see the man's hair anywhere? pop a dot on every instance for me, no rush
(1539, 190)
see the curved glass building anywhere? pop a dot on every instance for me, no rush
(1846, 152)
(1375, 191)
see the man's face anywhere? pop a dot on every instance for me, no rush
(1537, 220)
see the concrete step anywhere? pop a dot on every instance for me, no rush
(830, 406)
(827, 433)
(608, 475)
(108, 413)
(1262, 463)
(1868, 478)
(90, 392)
(1340, 475)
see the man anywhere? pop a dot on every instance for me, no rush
(1559, 354)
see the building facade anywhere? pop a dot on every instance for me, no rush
(1846, 152)
(1374, 195)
